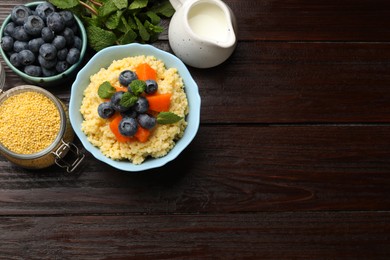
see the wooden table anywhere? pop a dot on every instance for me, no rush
(291, 161)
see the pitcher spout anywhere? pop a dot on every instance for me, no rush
(212, 21)
(230, 40)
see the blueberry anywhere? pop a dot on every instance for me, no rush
(19, 46)
(33, 70)
(47, 34)
(35, 44)
(7, 43)
(73, 56)
(128, 126)
(55, 22)
(129, 113)
(146, 121)
(62, 66)
(75, 28)
(142, 105)
(68, 18)
(19, 14)
(77, 43)
(48, 51)
(61, 54)
(105, 110)
(15, 59)
(151, 86)
(34, 25)
(126, 77)
(26, 57)
(20, 34)
(115, 101)
(47, 64)
(9, 28)
(59, 42)
(48, 72)
(44, 9)
(69, 36)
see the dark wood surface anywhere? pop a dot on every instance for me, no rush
(291, 161)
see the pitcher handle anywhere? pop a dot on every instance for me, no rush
(176, 3)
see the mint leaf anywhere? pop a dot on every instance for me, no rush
(128, 37)
(168, 118)
(164, 8)
(105, 90)
(120, 4)
(94, 20)
(132, 23)
(107, 8)
(137, 86)
(154, 18)
(141, 29)
(128, 100)
(136, 4)
(98, 38)
(64, 4)
(113, 20)
(123, 26)
(153, 28)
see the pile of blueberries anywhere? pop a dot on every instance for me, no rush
(41, 42)
(134, 115)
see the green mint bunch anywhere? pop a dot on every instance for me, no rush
(117, 22)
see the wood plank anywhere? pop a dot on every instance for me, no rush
(294, 82)
(297, 20)
(306, 20)
(226, 169)
(290, 82)
(290, 235)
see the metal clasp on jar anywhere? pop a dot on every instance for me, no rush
(62, 150)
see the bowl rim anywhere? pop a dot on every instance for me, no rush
(103, 59)
(63, 75)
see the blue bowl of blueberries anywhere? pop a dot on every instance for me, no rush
(42, 44)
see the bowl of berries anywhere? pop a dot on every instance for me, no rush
(42, 44)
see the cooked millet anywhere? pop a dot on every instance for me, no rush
(29, 122)
(163, 137)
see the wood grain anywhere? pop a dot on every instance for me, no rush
(305, 20)
(290, 82)
(236, 236)
(300, 20)
(291, 160)
(316, 168)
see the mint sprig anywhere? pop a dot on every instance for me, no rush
(105, 90)
(137, 87)
(128, 100)
(111, 22)
(168, 118)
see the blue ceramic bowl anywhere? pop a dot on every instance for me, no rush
(102, 60)
(53, 80)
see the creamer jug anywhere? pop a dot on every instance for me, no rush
(202, 33)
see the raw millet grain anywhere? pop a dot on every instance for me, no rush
(29, 122)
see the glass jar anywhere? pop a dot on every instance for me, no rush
(2, 77)
(55, 152)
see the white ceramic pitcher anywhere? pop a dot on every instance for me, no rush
(202, 33)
